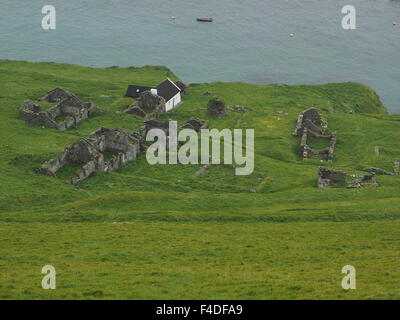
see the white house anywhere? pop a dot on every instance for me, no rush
(166, 89)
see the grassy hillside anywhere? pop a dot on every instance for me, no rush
(163, 232)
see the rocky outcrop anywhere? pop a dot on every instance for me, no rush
(70, 108)
(124, 147)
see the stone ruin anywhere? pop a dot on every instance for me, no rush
(310, 126)
(56, 95)
(329, 177)
(367, 180)
(148, 105)
(69, 106)
(90, 152)
(194, 124)
(154, 124)
(118, 145)
(395, 172)
(334, 178)
(379, 171)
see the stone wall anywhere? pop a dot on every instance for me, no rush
(56, 95)
(307, 127)
(34, 115)
(367, 180)
(309, 118)
(195, 124)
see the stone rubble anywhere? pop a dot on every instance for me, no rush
(382, 171)
(365, 181)
(238, 108)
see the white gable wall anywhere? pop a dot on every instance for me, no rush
(173, 103)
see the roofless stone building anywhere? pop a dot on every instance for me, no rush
(70, 110)
(91, 153)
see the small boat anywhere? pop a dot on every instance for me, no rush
(207, 19)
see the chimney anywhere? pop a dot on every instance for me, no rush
(154, 91)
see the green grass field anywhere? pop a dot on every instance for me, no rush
(163, 232)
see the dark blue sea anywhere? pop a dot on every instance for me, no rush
(258, 41)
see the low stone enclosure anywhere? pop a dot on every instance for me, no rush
(68, 106)
(107, 149)
(311, 126)
(334, 178)
(91, 153)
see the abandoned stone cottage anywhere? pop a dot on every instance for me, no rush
(308, 127)
(120, 146)
(69, 108)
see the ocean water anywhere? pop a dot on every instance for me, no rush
(249, 40)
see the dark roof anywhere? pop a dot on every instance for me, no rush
(167, 89)
(135, 91)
